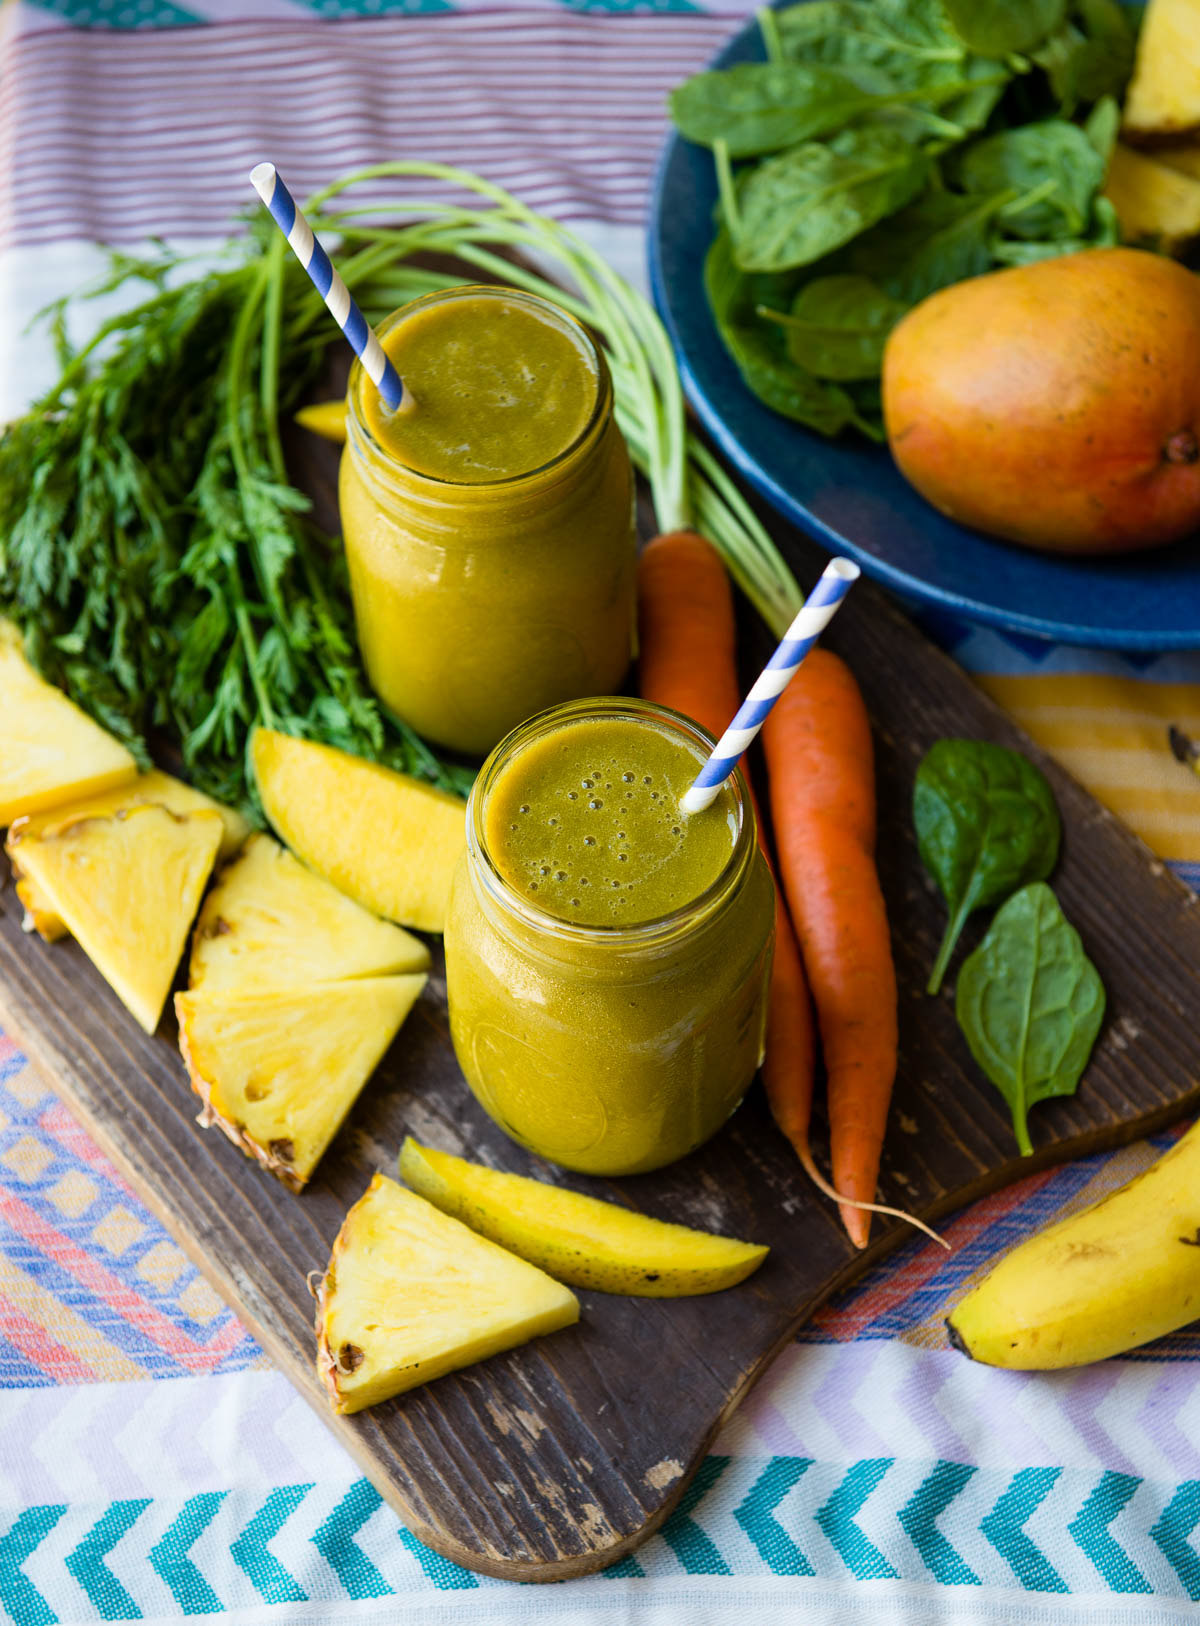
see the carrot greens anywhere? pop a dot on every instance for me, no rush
(153, 550)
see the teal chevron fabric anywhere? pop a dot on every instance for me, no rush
(153, 1466)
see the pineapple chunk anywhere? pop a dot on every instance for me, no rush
(269, 923)
(279, 1069)
(1153, 201)
(1164, 94)
(578, 1239)
(155, 786)
(385, 840)
(411, 1294)
(127, 886)
(1185, 159)
(50, 751)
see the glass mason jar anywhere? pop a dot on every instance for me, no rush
(480, 604)
(618, 1048)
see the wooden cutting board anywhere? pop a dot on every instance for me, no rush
(555, 1459)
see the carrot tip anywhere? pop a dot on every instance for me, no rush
(855, 1214)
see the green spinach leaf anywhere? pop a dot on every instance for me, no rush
(1052, 167)
(1002, 27)
(986, 824)
(1104, 232)
(837, 326)
(1090, 56)
(1030, 1004)
(894, 48)
(759, 107)
(940, 239)
(759, 352)
(804, 203)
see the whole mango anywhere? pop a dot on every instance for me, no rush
(1055, 404)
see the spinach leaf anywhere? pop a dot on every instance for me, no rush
(813, 198)
(759, 107)
(1104, 232)
(1102, 126)
(940, 239)
(1052, 166)
(1090, 56)
(758, 349)
(986, 824)
(894, 48)
(1030, 1004)
(837, 326)
(1001, 27)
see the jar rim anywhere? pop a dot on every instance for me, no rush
(635, 933)
(367, 446)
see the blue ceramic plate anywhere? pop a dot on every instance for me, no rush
(849, 494)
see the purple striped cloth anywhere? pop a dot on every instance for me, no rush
(115, 135)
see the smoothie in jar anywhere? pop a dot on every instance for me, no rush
(488, 524)
(607, 956)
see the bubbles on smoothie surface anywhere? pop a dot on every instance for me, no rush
(499, 388)
(604, 841)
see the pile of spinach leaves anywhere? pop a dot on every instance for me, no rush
(888, 148)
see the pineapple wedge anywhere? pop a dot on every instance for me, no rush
(50, 751)
(385, 840)
(127, 885)
(1164, 94)
(578, 1239)
(271, 923)
(279, 1069)
(155, 786)
(1154, 201)
(411, 1294)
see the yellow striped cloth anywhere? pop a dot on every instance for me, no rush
(1107, 719)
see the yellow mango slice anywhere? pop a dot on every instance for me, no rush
(127, 887)
(325, 418)
(279, 1069)
(579, 1239)
(50, 751)
(389, 842)
(411, 1294)
(270, 923)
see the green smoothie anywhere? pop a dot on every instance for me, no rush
(486, 399)
(586, 823)
(607, 956)
(488, 525)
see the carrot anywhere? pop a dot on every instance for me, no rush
(821, 769)
(687, 660)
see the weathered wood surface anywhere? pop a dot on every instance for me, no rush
(557, 1458)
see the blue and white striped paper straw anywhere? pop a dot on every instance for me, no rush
(814, 616)
(329, 285)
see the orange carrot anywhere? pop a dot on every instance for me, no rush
(821, 767)
(687, 660)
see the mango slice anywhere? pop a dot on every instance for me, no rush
(325, 418)
(271, 923)
(579, 1239)
(389, 842)
(155, 786)
(127, 886)
(279, 1069)
(411, 1294)
(50, 751)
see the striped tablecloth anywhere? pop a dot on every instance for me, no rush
(152, 1464)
